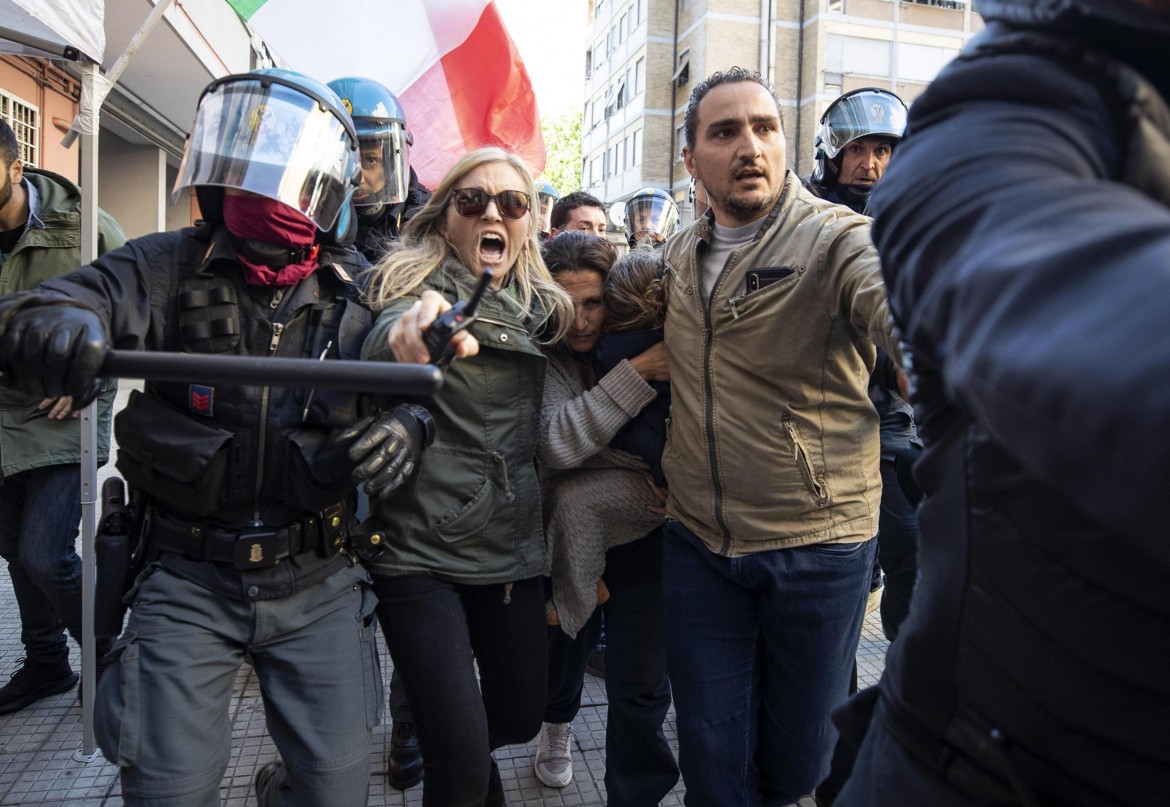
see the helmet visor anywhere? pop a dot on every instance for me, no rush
(385, 156)
(862, 115)
(270, 139)
(650, 217)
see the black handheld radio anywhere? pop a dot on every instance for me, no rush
(437, 336)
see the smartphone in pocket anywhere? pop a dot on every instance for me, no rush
(759, 278)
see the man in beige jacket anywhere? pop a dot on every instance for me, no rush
(774, 305)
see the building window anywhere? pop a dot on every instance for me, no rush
(632, 22)
(680, 137)
(857, 56)
(636, 150)
(588, 65)
(641, 11)
(942, 3)
(640, 76)
(682, 73)
(621, 29)
(25, 122)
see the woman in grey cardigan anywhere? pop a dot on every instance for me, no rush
(595, 498)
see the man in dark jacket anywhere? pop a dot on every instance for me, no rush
(1031, 291)
(40, 446)
(244, 491)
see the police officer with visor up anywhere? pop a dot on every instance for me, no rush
(389, 193)
(853, 146)
(242, 493)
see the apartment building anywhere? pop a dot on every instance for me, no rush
(645, 56)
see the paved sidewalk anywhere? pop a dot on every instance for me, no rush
(37, 744)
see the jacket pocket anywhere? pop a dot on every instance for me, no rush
(171, 456)
(459, 494)
(815, 484)
(317, 472)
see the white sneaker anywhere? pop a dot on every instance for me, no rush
(554, 761)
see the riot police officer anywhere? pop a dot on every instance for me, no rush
(389, 193)
(650, 215)
(548, 198)
(243, 492)
(857, 135)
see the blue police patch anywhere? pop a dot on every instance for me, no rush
(201, 400)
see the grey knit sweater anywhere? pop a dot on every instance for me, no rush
(595, 497)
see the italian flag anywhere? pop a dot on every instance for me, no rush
(450, 62)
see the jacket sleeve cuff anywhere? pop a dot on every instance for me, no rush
(626, 388)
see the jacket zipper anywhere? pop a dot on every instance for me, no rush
(800, 456)
(261, 437)
(709, 393)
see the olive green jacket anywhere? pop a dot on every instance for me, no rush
(50, 246)
(471, 513)
(772, 440)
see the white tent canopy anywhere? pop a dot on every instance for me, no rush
(57, 28)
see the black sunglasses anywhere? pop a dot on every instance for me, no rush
(471, 202)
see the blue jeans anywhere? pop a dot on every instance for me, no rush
(40, 510)
(639, 765)
(760, 648)
(162, 710)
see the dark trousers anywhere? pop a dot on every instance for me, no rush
(639, 766)
(436, 632)
(897, 550)
(39, 513)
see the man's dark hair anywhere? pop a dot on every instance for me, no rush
(730, 76)
(570, 202)
(9, 148)
(574, 250)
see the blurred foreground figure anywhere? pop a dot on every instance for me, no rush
(1031, 290)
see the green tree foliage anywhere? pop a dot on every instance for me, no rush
(562, 143)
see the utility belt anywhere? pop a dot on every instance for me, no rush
(251, 547)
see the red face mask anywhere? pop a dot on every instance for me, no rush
(262, 219)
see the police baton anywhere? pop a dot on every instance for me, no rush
(350, 376)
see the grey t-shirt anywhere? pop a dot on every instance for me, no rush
(724, 241)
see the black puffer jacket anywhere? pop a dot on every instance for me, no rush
(1031, 289)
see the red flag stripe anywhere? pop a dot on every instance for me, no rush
(478, 94)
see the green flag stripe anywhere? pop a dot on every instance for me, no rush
(246, 8)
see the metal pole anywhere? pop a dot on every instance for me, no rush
(89, 243)
(116, 69)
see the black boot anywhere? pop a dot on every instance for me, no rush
(267, 782)
(404, 763)
(35, 680)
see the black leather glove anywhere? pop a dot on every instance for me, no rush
(49, 350)
(386, 447)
